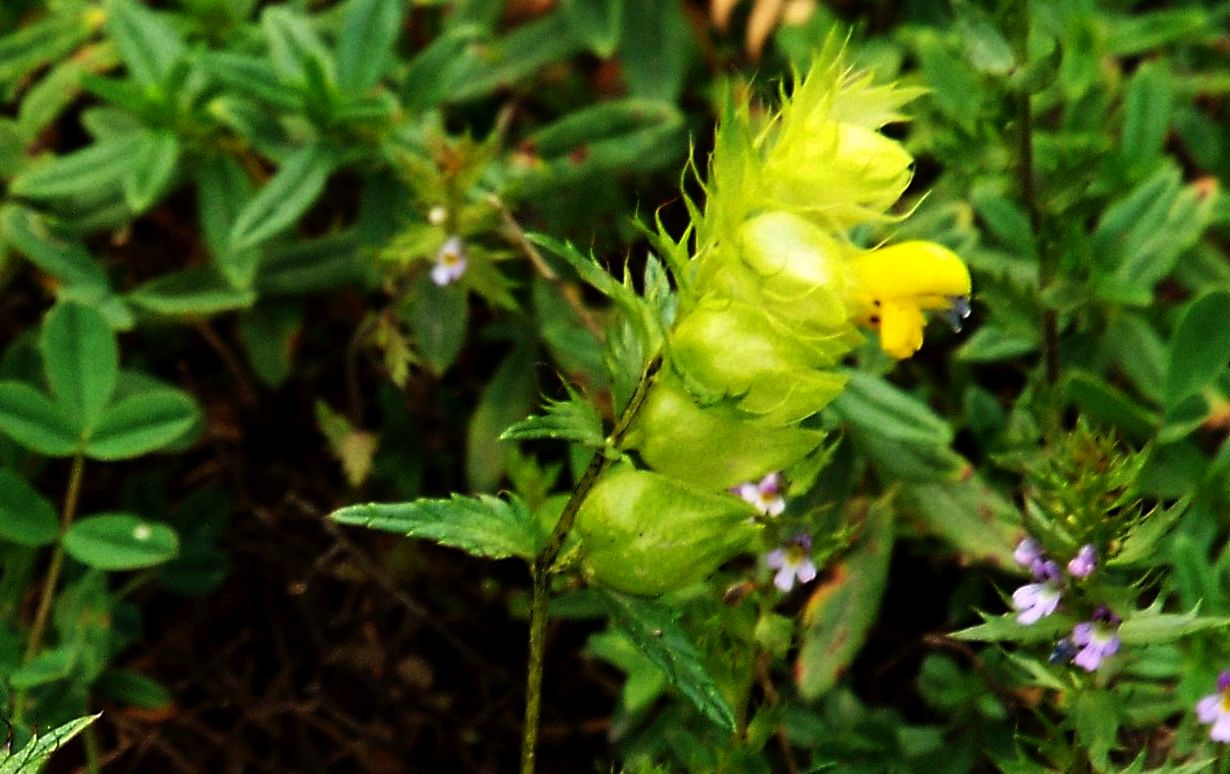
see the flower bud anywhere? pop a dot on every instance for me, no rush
(644, 533)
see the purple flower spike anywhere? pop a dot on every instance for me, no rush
(765, 496)
(792, 562)
(1036, 601)
(1027, 552)
(450, 262)
(1099, 639)
(1083, 564)
(1214, 710)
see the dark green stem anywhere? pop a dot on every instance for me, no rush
(43, 613)
(543, 564)
(1029, 192)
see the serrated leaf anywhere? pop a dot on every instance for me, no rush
(1140, 544)
(842, 608)
(152, 170)
(120, 541)
(483, 526)
(575, 419)
(1147, 628)
(31, 758)
(26, 517)
(296, 185)
(148, 44)
(655, 631)
(365, 43)
(82, 360)
(1006, 629)
(141, 423)
(31, 419)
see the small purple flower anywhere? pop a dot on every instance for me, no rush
(792, 561)
(1099, 639)
(1045, 570)
(450, 262)
(766, 495)
(1036, 601)
(1214, 710)
(1083, 564)
(1027, 552)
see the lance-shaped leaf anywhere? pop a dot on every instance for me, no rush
(365, 43)
(1148, 627)
(483, 526)
(1199, 349)
(288, 194)
(654, 629)
(96, 168)
(842, 609)
(152, 171)
(1006, 629)
(148, 44)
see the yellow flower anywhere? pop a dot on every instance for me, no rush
(893, 286)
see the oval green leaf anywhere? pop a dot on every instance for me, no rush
(26, 518)
(82, 360)
(142, 423)
(32, 420)
(120, 541)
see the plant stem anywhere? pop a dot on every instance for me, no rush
(43, 613)
(542, 566)
(1029, 192)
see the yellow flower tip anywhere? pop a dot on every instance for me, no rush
(895, 284)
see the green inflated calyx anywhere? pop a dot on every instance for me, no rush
(713, 447)
(645, 533)
(730, 349)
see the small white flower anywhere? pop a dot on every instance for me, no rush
(450, 262)
(792, 561)
(1214, 710)
(437, 215)
(765, 496)
(1036, 601)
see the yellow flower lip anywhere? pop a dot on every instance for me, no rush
(894, 284)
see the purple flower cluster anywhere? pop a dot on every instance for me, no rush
(1037, 600)
(1092, 641)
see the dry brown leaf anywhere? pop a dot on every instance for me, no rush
(761, 23)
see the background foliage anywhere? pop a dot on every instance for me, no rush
(217, 227)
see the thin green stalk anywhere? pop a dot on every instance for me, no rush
(543, 564)
(43, 613)
(1029, 192)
